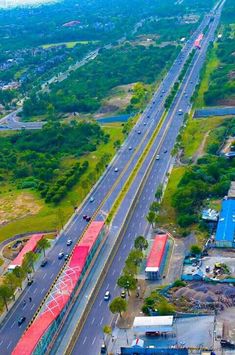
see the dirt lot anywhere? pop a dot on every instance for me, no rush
(14, 206)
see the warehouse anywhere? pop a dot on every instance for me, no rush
(158, 324)
(156, 259)
(225, 233)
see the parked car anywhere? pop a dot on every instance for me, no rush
(21, 320)
(107, 296)
(103, 349)
(30, 282)
(123, 294)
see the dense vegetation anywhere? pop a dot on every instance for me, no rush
(84, 89)
(209, 178)
(37, 159)
(222, 81)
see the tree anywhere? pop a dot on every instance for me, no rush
(130, 268)
(12, 282)
(43, 244)
(165, 308)
(155, 207)
(151, 218)
(5, 294)
(118, 305)
(128, 282)
(28, 261)
(195, 249)
(135, 256)
(19, 272)
(141, 243)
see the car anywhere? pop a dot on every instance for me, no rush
(165, 151)
(92, 199)
(29, 283)
(227, 344)
(139, 132)
(66, 256)
(44, 262)
(148, 116)
(84, 216)
(69, 242)
(130, 148)
(180, 112)
(103, 349)
(88, 219)
(116, 170)
(123, 294)
(157, 157)
(145, 123)
(60, 255)
(107, 296)
(21, 320)
(163, 91)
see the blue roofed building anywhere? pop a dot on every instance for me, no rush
(225, 233)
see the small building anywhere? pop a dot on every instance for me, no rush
(210, 215)
(153, 324)
(156, 259)
(225, 233)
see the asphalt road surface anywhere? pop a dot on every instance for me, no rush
(104, 193)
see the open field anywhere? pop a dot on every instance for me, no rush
(67, 44)
(211, 64)
(193, 134)
(38, 216)
(167, 214)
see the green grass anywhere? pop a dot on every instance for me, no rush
(211, 65)
(67, 44)
(51, 217)
(167, 214)
(195, 131)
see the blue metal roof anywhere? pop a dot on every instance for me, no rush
(226, 225)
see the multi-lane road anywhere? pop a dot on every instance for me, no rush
(105, 193)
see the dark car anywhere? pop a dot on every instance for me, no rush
(165, 151)
(66, 256)
(30, 282)
(60, 255)
(103, 349)
(88, 219)
(227, 344)
(21, 320)
(84, 216)
(44, 262)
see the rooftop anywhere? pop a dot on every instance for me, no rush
(226, 225)
(156, 254)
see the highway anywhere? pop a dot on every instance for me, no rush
(104, 195)
(90, 339)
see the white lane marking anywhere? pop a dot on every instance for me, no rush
(115, 287)
(44, 275)
(93, 320)
(101, 320)
(9, 344)
(124, 246)
(93, 341)
(13, 324)
(1, 342)
(35, 290)
(52, 275)
(100, 303)
(108, 286)
(113, 272)
(119, 258)
(42, 290)
(32, 307)
(84, 340)
(53, 262)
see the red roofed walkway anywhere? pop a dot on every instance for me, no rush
(155, 261)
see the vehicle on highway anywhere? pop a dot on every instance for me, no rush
(69, 242)
(139, 132)
(30, 282)
(103, 349)
(180, 112)
(116, 170)
(165, 151)
(44, 262)
(145, 123)
(88, 218)
(123, 294)
(92, 199)
(130, 148)
(84, 216)
(107, 296)
(227, 344)
(157, 157)
(61, 255)
(21, 320)
(66, 257)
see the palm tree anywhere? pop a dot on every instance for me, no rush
(5, 294)
(43, 244)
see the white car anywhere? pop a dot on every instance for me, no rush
(157, 157)
(107, 296)
(92, 199)
(116, 170)
(69, 242)
(180, 112)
